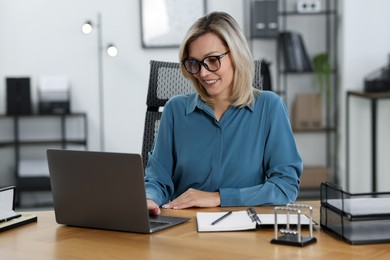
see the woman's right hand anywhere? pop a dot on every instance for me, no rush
(153, 207)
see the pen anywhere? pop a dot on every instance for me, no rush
(10, 218)
(221, 218)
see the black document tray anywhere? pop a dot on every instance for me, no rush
(361, 218)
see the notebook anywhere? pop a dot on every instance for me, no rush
(102, 190)
(8, 217)
(241, 220)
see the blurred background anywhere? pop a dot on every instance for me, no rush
(104, 93)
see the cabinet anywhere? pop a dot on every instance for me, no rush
(30, 135)
(317, 142)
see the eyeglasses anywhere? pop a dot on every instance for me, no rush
(211, 63)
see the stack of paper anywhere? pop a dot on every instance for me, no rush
(54, 88)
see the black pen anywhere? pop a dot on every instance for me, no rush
(10, 218)
(219, 219)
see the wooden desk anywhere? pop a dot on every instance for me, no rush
(48, 240)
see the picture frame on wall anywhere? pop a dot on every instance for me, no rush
(165, 22)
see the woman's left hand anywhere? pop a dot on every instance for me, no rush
(194, 198)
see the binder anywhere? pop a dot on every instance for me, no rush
(295, 55)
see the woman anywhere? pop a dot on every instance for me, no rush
(228, 144)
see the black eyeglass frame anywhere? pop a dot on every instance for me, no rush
(218, 57)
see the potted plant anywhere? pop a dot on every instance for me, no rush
(323, 72)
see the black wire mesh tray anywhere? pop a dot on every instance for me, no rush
(361, 218)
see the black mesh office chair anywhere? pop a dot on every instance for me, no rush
(165, 81)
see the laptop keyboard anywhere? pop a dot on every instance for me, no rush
(154, 224)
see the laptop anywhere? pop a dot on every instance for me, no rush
(102, 190)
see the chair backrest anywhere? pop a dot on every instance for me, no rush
(165, 81)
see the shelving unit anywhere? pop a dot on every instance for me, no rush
(319, 32)
(318, 145)
(30, 135)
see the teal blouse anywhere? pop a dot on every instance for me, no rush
(249, 156)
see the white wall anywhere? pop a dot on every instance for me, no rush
(43, 37)
(364, 48)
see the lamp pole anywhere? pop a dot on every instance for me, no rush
(112, 51)
(100, 80)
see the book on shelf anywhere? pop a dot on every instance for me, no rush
(241, 221)
(294, 52)
(8, 217)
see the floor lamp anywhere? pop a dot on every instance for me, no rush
(110, 50)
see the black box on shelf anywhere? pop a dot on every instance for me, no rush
(362, 218)
(54, 107)
(261, 18)
(378, 81)
(18, 96)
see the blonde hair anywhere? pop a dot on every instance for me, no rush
(228, 30)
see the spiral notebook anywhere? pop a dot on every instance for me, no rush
(240, 221)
